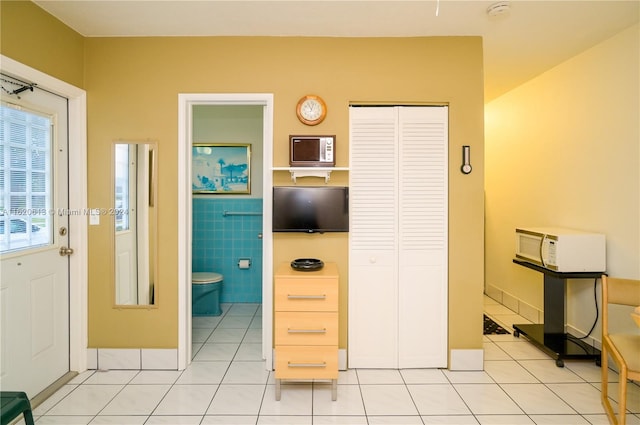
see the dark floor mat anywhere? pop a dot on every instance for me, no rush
(491, 327)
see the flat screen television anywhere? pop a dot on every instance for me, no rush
(310, 209)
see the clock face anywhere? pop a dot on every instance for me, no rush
(311, 110)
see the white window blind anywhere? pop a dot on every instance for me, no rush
(25, 179)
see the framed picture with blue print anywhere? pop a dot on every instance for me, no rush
(221, 168)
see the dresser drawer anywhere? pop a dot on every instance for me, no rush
(300, 328)
(306, 295)
(306, 362)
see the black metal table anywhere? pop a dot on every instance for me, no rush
(550, 336)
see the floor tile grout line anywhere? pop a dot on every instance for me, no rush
(522, 407)
(364, 405)
(246, 330)
(582, 380)
(225, 372)
(116, 394)
(58, 402)
(463, 401)
(178, 378)
(264, 393)
(415, 405)
(165, 395)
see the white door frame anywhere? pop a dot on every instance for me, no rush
(78, 262)
(185, 103)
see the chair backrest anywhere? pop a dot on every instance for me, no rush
(618, 291)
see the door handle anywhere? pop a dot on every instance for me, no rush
(65, 252)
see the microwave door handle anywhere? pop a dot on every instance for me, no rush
(541, 256)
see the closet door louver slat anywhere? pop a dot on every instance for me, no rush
(373, 183)
(423, 187)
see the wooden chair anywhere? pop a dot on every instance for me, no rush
(624, 348)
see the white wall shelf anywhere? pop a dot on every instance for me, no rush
(323, 172)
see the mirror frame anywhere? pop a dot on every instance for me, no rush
(152, 217)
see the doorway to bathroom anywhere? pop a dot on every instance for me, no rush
(226, 227)
(219, 232)
(227, 206)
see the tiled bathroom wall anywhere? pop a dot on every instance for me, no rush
(220, 241)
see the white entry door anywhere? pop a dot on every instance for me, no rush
(34, 234)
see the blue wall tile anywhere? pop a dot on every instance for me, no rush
(219, 242)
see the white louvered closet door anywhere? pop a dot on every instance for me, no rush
(398, 237)
(373, 238)
(422, 247)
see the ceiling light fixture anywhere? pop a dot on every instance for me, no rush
(502, 8)
(437, 7)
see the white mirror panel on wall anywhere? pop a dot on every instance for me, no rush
(134, 223)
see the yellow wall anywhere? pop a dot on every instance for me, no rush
(563, 149)
(132, 89)
(30, 35)
(133, 84)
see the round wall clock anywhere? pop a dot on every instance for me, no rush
(311, 110)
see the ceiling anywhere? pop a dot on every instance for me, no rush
(525, 41)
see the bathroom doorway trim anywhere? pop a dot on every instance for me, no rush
(186, 101)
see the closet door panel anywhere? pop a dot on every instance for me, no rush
(373, 210)
(422, 328)
(422, 321)
(373, 311)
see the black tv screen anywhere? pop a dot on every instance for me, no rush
(310, 209)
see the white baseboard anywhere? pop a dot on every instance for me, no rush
(529, 312)
(472, 359)
(342, 359)
(588, 340)
(132, 358)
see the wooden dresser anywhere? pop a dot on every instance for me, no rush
(306, 325)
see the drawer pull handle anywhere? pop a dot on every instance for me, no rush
(307, 331)
(306, 297)
(323, 364)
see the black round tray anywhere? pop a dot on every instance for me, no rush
(307, 264)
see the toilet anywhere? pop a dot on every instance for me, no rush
(205, 293)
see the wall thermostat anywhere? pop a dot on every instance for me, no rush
(466, 160)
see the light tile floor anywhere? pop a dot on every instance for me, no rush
(227, 384)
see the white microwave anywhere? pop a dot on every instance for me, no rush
(561, 250)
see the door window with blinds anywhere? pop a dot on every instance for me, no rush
(25, 179)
